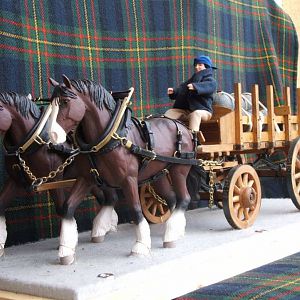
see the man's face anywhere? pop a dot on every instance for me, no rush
(199, 67)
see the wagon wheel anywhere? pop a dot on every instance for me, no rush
(153, 209)
(241, 196)
(293, 172)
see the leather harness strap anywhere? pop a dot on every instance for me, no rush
(35, 135)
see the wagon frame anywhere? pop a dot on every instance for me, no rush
(236, 183)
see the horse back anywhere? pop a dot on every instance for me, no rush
(160, 134)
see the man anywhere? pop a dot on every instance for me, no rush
(193, 98)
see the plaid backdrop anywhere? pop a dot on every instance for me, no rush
(147, 44)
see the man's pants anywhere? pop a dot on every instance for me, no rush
(192, 117)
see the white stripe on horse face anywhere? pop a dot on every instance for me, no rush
(56, 132)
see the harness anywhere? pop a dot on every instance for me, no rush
(113, 137)
(37, 137)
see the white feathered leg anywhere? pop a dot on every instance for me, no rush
(105, 221)
(68, 241)
(143, 242)
(3, 234)
(175, 228)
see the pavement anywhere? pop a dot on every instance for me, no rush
(211, 251)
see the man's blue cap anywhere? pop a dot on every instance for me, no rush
(202, 59)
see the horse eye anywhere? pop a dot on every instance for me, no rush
(63, 102)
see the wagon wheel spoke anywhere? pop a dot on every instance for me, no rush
(154, 209)
(161, 209)
(245, 179)
(149, 204)
(237, 207)
(236, 190)
(297, 175)
(250, 183)
(240, 181)
(297, 164)
(246, 213)
(236, 199)
(240, 213)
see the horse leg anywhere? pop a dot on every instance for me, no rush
(165, 190)
(68, 232)
(8, 193)
(175, 225)
(107, 218)
(142, 245)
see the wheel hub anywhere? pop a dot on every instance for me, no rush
(248, 198)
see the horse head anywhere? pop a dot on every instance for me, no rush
(84, 102)
(18, 113)
(5, 119)
(67, 110)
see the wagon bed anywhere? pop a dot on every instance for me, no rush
(234, 185)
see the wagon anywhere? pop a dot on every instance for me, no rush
(244, 145)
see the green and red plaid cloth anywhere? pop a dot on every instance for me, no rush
(149, 45)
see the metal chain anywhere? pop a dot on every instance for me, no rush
(211, 188)
(202, 162)
(156, 197)
(38, 181)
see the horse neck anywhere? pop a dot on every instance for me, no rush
(95, 122)
(20, 128)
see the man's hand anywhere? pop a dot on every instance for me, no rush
(190, 87)
(170, 91)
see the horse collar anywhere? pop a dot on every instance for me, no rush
(35, 135)
(114, 125)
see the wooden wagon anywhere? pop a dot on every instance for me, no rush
(235, 184)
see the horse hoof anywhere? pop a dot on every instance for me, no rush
(141, 255)
(67, 260)
(98, 239)
(169, 244)
(1, 252)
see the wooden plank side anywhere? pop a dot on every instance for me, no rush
(287, 119)
(238, 114)
(270, 107)
(255, 115)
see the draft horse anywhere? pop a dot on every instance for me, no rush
(29, 158)
(123, 158)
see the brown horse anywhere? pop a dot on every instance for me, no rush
(120, 157)
(26, 144)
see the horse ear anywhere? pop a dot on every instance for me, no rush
(53, 82)
(67, 81)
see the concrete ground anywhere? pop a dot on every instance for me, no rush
(211, 251)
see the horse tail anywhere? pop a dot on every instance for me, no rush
(196, 181)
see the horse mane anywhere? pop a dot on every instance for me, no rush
(98, 94)
(22, 104)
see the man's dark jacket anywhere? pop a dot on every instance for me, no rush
(199, 99)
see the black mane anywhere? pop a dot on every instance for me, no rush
(22, 104)
(98, 94)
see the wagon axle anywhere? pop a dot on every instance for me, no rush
(248, 198)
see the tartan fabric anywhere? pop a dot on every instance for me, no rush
(149, 45)
(278, 280)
